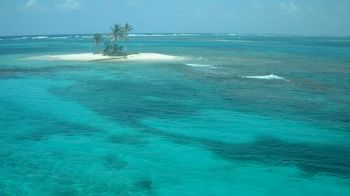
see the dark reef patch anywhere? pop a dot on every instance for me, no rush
(127, 102)
(112, 161)
(127, 139)
(310, 158)
(6, 73)
(313, 159)
(51, 127)
(37, 125)
(144, 185)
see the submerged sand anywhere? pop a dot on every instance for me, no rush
(100, 57)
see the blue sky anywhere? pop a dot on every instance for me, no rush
(305, 17)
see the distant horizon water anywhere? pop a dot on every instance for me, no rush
(182, 33)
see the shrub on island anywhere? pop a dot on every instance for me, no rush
(112, 49)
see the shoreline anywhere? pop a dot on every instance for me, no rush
(86, 57)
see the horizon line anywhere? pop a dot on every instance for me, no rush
(164, 33)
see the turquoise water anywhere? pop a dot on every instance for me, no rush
(242, 115)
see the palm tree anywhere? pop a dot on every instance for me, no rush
(117, 31)
(97, 39)
(127, 28)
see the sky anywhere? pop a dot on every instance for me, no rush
(301, 17)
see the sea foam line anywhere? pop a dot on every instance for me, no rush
(162, 35)
(86, 37)
(40, 37)
(59, 37)
(19, 38)
(200, 65)
(266, 77)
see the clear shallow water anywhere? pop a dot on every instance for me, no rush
(243, 115)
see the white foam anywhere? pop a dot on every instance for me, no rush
(200, 65)
(40, 37)
(236, 41)
(185, 34)
(147, 35)
(86, 37)
(230, 34)
(266, 77)
(59, 38)
(19, 38)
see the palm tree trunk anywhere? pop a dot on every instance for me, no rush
(126, 44)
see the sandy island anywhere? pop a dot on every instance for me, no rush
(100, 57)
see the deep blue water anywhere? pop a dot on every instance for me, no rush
(242, 115)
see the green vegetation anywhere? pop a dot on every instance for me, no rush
(117, 45)
(127, 28)
(97, 39)
(117, 32)
(112, 49)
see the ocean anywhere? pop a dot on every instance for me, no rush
(241, 115)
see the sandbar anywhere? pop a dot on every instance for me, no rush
(85, 57)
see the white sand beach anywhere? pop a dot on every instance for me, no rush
(100, 57)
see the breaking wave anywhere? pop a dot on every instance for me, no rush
(59, 37)
(19, 38)
(200, 65)
(86, 37)
(266, 77)
(40, 37)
